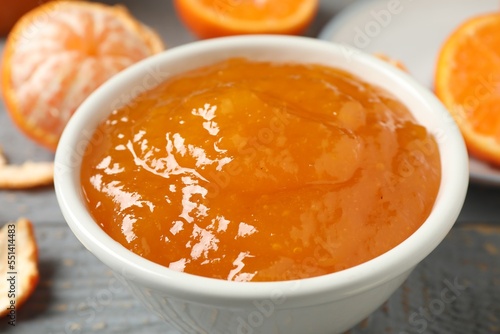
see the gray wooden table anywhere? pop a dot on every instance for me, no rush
(78, 294)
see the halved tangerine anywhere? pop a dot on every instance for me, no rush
(467, 80)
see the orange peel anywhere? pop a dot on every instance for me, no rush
(19, 272)
(28, 175)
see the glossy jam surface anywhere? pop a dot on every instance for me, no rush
(251, 171)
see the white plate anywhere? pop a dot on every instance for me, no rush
(411, 31)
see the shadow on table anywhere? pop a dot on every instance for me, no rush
(482, 205)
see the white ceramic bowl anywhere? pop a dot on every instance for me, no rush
(328, 304)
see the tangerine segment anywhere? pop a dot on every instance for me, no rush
(208, 18)
(25, 265)
(59, 53)
(467, 81)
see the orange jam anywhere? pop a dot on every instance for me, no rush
(256, 171)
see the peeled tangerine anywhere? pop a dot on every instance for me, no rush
(257, 171)
(59, 53)
(19, 266)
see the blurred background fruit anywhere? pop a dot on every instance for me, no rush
(216, 18)
(59, 53)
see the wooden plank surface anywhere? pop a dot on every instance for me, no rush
(78, 294)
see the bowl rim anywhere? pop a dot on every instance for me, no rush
(339, 285)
